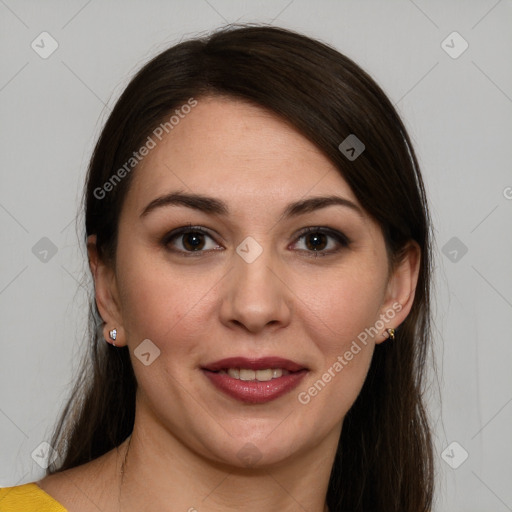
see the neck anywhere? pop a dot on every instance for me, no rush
(157, 472)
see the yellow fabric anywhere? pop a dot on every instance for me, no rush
(27, 498)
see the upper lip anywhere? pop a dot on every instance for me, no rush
(261, 363)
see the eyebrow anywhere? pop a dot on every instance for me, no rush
(217, 207)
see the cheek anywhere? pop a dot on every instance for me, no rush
(340, 315)
(168, 309)
(163, 304)
(339, 306)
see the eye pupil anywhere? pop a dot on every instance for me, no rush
(193, 241)
(317, 240)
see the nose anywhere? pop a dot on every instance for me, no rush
(256, 295)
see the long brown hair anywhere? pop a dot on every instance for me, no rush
(384, 459)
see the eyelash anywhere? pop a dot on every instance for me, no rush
(340, 238)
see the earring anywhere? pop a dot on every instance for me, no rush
(391, 333)
(113, 335)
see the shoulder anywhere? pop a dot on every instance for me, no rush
(84, 488)
(28, 498)
(89, 487)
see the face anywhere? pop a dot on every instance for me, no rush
(239, 239)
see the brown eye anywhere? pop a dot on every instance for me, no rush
(322, 241)
(189, 240)
(316, 241)
(193, 241)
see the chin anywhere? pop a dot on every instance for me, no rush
(253, 451)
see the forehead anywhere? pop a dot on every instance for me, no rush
(238, 152)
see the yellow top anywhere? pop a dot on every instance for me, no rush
(28, 498)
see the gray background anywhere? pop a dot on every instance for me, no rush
(458, 112)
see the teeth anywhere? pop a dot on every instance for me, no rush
(247, 374)
(234, 372)
(264, 375)
(259, 375)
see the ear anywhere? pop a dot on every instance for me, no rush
(106, 294)
(400, 290)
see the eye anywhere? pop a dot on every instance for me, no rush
(318, 241)
(322, 241)
(189, 240)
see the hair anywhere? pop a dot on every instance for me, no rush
(384, 459)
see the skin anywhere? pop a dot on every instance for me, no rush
(290, 302)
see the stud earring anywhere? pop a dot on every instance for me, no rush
(113, 335)
(391, 333)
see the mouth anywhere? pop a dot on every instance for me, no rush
(255, 381)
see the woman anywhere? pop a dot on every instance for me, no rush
(259, 238)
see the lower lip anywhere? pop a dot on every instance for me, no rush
(254, 392)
